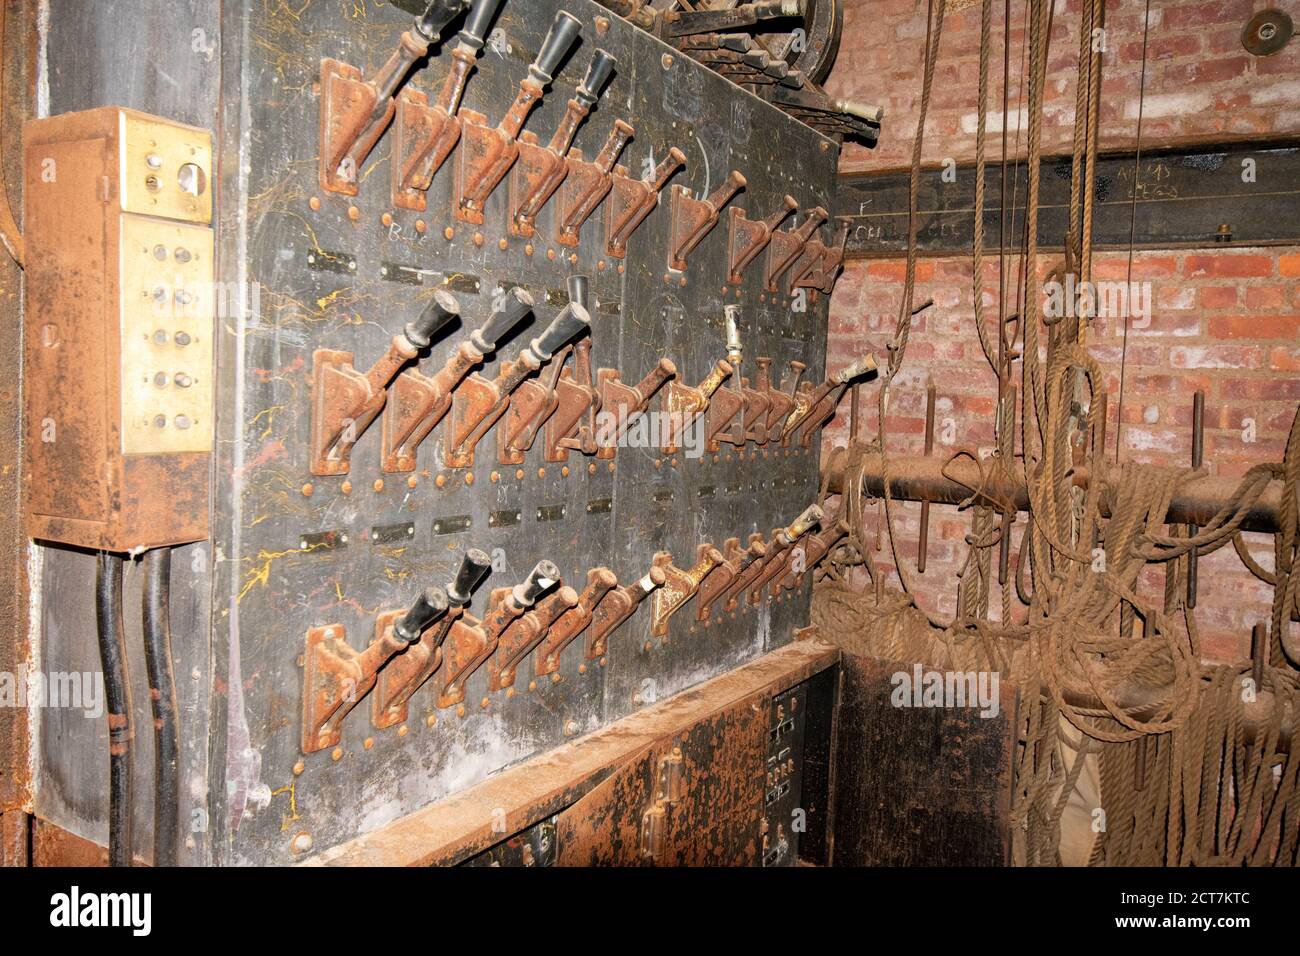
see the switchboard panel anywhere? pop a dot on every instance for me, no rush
(312, 544)
(519, 331)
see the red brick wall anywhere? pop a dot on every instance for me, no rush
(1200, 81)
(1224, 320)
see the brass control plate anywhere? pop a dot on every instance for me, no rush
(167, 309)
(165, 168)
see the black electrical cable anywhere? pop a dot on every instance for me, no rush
(117, 692)
(162, 698)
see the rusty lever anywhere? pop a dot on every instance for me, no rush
(781, 400)
(355, 112)
(471, 643)
(344, 401)
(680, 23)
(814, 406)
(600, 581)
(749, 238)
(336, 676)
(634, 199)
(680, 585)
(478, 403)
(726, 421)
(735, 561)
(820, 263)
(617, 606)
(556, 401)
(816, 548)
(693, 219)
(587, 184)
(409, 671)
(541, 169)
(684, 405)
(774, 562)
(487, 153)
(524, 633)
(424, 135)
(418, 403)
(620, 403)
(785, 247)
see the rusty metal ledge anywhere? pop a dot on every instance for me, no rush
(461, 825)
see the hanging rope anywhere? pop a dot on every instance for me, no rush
(1110, 680)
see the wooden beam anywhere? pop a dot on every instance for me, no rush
(1231, 195)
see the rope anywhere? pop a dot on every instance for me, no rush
(1204, 796)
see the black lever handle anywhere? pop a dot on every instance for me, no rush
(474, 567)
(543, 577)
(564, 31)
(430, 606)
(515, 304)
(580, 291)
(602, 66)
(476, 26)
(572, 320)
(436, 16)
(436, 315)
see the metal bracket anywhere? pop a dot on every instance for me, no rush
(532, 405)
(693, 219)
(415, 407)
(726, 408)
(748, 238)
(423, 137)
(600, 581)
(346, 103)
(632, 200)
(669, 790)
(472, 402)
(783, 401)
(533, 181)
(409, 671)
(817, 547)
(823, 264)
(522, 635)
(713, 585)
(466, 648)
(679, 586)
(757, 405)
(625, 401)
(783, 540)
(577, 399)
(344, 401)
(335, 678)
(616, 608)
(587, 184)
(684, 404)
(785, 247)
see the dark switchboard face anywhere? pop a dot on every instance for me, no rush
(298, 552)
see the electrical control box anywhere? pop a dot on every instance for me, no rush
(118, 356)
